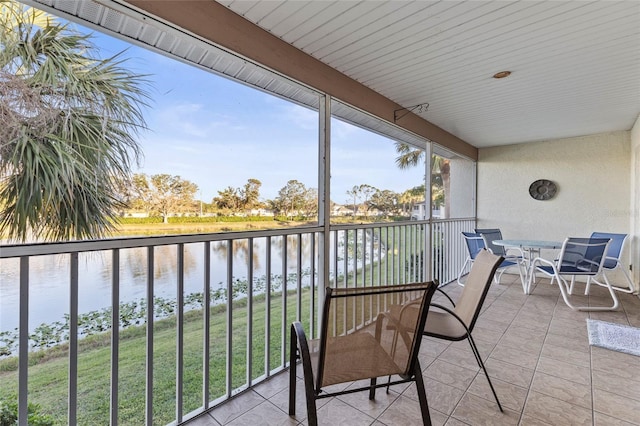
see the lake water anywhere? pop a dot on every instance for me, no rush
(49, 276)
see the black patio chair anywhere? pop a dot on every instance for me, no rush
(365, 333)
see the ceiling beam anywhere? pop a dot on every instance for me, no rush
(216, 23)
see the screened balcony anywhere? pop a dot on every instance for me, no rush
(580, 130)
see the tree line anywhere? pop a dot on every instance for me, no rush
(165, 195)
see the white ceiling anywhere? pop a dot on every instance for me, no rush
(575, 65)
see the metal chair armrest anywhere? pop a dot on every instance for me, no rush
(447, 296)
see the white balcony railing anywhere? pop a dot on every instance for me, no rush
(236, 292)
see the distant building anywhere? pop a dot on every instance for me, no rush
(419, 212)
(340, 210)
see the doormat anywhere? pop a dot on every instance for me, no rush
(617, 337)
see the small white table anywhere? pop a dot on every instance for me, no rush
(531, 247)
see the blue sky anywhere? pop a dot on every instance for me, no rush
(218, 133)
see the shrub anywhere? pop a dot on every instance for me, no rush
(9, 415)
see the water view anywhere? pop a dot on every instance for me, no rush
(49, 275)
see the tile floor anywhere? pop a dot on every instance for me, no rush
(537, 353)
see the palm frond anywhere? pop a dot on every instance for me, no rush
(70, 125)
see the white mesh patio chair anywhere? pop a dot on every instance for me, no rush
(475, 243)
(511, 254)
(579, 257)
(612, 261)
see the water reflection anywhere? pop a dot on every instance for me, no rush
(49, 275)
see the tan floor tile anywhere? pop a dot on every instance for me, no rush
(501, 312)
(273, 385)
(576, 330)
(449, 374)
(618, 317)
(264, 414)
(567, 355)
(563, 311)
(437, 418)
(484, 347)
(463, 358)
(532, 421)
(555, 411)
(406, 411)
(541, 302)
(613, 405)
(634, 319)
(425, 361)
(336, 412)
(455, 422)
(564, 370)
(515, 356)
(236, 406)
(612, 362)
(600, 419)
(496, 317)
(529, 333)
(204, 420)
(510, 396)
(361, 401)
(579, 344)
(491, 324)
(479, 411)
(523, 343)
(562, 389)
(486, 334)
(442, 398)
(532, 321)
(433, 347)
(281, 400)
(509, 373)
(627, 387)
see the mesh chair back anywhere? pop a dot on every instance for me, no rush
(475, 290)
(582, 256)
(490, 235)
(615, 247)
(474, 242)
(371, 332)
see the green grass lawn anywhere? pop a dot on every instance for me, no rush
(48, 376)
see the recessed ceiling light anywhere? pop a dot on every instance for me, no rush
(502, 74)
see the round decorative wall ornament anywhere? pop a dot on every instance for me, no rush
(542, 189)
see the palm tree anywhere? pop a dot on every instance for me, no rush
(68, 123)
(411, 157)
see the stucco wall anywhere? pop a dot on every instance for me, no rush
(635, 201)
(593, 176)
(462, 188)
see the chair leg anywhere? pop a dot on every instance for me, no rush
(422, 395)
(481, 364)
(565, 291)
(293, 349)
(631, 288)
(372, 389)
(587, 287)
(466, 262)
(612, 293)
(298, 340)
